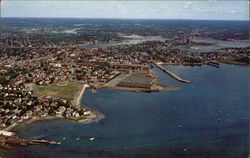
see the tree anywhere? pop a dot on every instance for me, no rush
(3, 81)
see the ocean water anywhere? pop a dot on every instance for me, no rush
(208, 118)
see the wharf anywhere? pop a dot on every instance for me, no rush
(171, 74)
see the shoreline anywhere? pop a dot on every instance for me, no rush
(234, 63)
(79, 95)
(207, 63)
(141, 90)
(176, 77)
(94, 115)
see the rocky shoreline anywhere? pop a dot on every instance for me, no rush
(8, 142)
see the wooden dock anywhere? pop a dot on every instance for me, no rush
(171, 74)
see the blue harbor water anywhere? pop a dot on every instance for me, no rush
(133, 40)
(216, 44)
(207, 118)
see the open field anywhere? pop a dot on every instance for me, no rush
(66, 91)
(234, 62)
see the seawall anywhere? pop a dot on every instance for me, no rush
(171, 74)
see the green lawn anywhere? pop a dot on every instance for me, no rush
(233, 61)
(61, 90)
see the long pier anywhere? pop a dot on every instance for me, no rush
(171, 74)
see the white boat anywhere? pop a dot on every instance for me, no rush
(92, 138)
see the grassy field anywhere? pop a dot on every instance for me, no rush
(61, 90)
(233, 61)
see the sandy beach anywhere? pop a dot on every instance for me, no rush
(79, 96)
(9, 128)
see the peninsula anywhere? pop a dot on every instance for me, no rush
(46, 68)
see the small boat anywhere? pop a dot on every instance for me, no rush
(64, 138)
(78, 138)
(92, 138)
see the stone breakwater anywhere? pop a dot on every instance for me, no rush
(171, 74)
(8, 142)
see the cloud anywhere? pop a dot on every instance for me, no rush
(187, 5)
(209, 9)
(212, 1)
(232, 11)
(117, 7)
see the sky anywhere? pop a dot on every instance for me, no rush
(168, 9)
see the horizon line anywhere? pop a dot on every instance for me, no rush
(124, 18)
